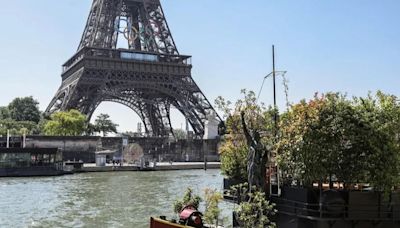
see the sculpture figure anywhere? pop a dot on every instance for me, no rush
(256, 158)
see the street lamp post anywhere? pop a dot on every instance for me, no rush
(274, 82)
(274, 74)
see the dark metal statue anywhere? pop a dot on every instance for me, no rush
(256, 158)
(149, 76)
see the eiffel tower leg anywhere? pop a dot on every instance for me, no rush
(193, 118)
(155, 117)
(57, 102)
(64, 93)
(159, 121)
(138, 108)
(196, 108)
(165, 111)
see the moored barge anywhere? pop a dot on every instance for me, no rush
(27, 162)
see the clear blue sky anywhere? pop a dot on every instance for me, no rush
(347, 46)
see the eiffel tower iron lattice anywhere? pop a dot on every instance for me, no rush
(149, 76)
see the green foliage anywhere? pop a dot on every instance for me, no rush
(71, 123)
(382, 112)
(188, 199)
(223, 105)
(239, 192)
(257, 212)
(90, 129)
(334, 138)
(17, 127)
(212, 212)
(24, 109)
(234, 159)
(234, 148)
(254, 209)
(104, 124)
(20, 117)
(39, 129)
(4, 113)
(329, 138)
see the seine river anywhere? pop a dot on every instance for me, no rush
(114, 199)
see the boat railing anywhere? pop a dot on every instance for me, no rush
(337, 211)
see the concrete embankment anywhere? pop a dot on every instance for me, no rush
(159, 167)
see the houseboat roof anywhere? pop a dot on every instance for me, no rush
(30, 150)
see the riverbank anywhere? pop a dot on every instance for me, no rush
(161, 166)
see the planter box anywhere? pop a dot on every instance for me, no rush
(364, 209)
(396, 206)
(364, 205)
(333, 203)
(228, 183)
(294, 200)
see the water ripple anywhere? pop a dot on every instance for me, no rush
(116, 199)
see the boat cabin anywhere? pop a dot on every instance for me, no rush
(30, 162)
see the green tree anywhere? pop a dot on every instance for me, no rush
(212, 212)
(382, 112)
(17, 127)
(71, 123)
(4, 113)
(24, 109)
(234, 158)
(90, 129)
(333, 138)
(105, 125)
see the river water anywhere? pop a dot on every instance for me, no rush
(112, 199)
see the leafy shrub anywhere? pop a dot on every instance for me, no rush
(254, 209)
(212, 212)
(334, 138)
(188, 199)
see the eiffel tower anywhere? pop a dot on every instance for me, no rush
(149, 76)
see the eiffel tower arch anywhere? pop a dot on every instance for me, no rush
(149, 77)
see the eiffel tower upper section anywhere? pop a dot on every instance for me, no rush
(148, 75)
(144, 26)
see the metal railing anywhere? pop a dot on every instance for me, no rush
(334, 211)
(119, 54)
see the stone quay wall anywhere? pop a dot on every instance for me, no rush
(154, 148)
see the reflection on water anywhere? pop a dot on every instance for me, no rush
(114, 199)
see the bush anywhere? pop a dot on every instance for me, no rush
(71, 123)
(212, 212)
(188, 199)
(254, 210)
(334, 138)
(234, 159)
